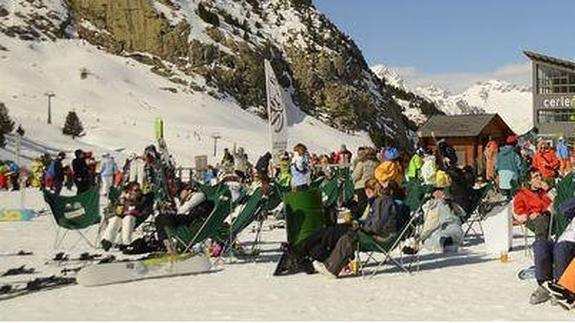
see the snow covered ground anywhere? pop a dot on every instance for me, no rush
(119, 100)
(466, 286)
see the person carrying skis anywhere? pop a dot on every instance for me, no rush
(81, 172)
(563, 154)
(107, 172)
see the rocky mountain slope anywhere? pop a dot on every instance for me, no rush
(217, 47)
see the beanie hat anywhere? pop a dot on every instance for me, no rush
(391, 154)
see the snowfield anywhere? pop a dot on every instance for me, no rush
(466, 286)
(119, 100)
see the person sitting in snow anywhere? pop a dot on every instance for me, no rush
(441, 230)
(390, 169)
(552, 258)
(131, 205)
(332, 248)
(533, 204)
(191, 206)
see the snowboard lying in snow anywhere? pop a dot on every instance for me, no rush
(163, 266)
(12, 215)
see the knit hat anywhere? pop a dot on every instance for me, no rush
(511, 140)
(391, 154)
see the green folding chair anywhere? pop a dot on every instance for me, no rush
(474, 216)
(371, 246)
(212, 227)
(74, 214)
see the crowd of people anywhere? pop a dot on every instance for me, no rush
(523, 171)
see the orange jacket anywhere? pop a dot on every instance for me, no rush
(389, 171)
(527, 202)
(546, 162)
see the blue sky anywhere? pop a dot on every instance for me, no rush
(427, 40)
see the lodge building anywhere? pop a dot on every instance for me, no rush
(553, 95)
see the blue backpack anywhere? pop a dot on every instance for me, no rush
(568, 208)
(52, 169)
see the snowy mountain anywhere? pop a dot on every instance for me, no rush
(390, 76)
(416, 108)
(198, 64)
(512, 102)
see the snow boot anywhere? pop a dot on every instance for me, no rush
(540, 295)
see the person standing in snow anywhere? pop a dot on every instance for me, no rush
(546, 162)
(490, 156)
(509, 166)
(241, 164)
(344, 155)
(300, 172)
(54, 177)
(263, 165)
(364, 170)
(415, 164)
(81, 172)
(134, 170)
(563, 154)
(107, 172)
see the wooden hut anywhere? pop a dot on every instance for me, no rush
(468, 134)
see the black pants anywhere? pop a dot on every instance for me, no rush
(319, 245)
(358, 207)
(540, 225)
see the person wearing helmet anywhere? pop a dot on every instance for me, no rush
(390, 169)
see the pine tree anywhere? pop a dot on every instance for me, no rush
(6, 124)
(73, 126)
(2, 140)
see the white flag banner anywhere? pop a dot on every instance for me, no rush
(277, 113)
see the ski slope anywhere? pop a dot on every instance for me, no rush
(468, 285)
(119, 100)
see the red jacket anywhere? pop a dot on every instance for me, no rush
(546, 162)
(527, 202)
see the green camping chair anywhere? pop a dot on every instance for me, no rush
(371, 246)
(474, 216)
(187, 236)
(304, 215)
(74, 214)
(330, 192)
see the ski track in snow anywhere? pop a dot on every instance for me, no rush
(465, 286)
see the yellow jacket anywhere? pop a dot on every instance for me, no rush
(389, 171)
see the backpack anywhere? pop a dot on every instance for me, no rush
(52, 169)
(568, 208)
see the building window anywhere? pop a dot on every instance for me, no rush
(554, 81)
(555, 115)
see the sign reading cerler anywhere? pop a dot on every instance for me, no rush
(563, 101)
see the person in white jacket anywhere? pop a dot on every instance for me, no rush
(108, 170)
(191, 206)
